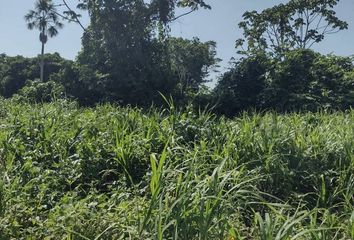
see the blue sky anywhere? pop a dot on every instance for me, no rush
(218, 24)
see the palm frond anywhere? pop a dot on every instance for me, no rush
(59, 25)
(52, 31)
(44, 17)
(31, 25)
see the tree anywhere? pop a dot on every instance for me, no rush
(81, 83)
(303, 80)
(45, 19)
(161, 10)
(191, 61)
(14, 71)
(118, 45)
(132, 63)
(296, 24)
(306, 80)
(241, 87)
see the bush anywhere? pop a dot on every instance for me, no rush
(37, 91)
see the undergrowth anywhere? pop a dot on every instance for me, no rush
(122, 173)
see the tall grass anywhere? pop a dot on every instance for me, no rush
(123, 173)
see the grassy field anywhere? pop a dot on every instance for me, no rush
(123, 173)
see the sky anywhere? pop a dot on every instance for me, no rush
(219, 24)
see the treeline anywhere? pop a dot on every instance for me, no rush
(128, 57)
(303, 80)
(176, 67)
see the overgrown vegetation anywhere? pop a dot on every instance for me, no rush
(94, 149)
(124, 173)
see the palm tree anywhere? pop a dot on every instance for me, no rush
(44, 18)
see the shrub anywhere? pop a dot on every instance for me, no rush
(37, 91)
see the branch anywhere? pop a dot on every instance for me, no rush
(62, 16)
(332, 31)
(307, 26)
(270, 37)
(312, 43)
(75, 15)
(182, 15)
(319, 22)
(314, 17)
(275, 34)
(325, 29)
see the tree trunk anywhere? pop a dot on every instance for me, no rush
(43, 41)
(42, 63)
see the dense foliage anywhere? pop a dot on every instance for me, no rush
(132, 57)
(115, 144)
(16, 71)
(115, 173)
(302, 80)
(37, 92)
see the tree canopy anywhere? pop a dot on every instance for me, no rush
(296, 24)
